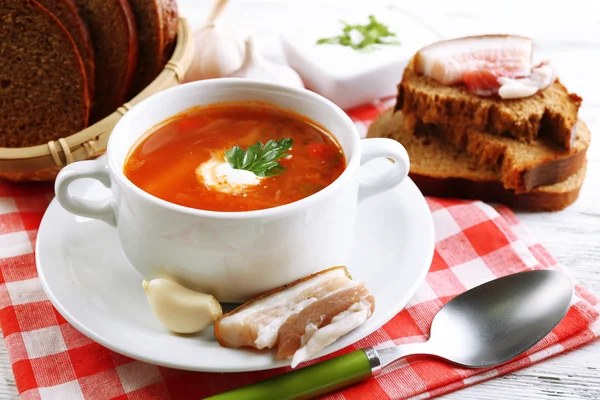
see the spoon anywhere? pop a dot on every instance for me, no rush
(483, 327)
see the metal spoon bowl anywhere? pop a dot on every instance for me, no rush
(494, 322)
(483, 327)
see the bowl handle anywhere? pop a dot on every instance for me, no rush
(97, 209)
(386, 180)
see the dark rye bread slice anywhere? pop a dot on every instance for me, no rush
(522, 166)
(43, 87)
(440, 170)
(170, 28)
(156, 21)
(67, 14)
(550, 113)
(114, 36)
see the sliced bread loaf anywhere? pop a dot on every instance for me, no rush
(115, 40)
(440, 170)
(522, 166)
(43, 86)
(157, 30)
(170, 15)
(550, 113)
(66, 12)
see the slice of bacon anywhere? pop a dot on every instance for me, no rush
(482, 82)
(301, 318)
(480, 62)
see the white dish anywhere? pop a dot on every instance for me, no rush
(303, 22)
(89, 280)
(345, 76)
(234, 256)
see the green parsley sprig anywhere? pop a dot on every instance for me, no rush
(372, 33)
(258, 158)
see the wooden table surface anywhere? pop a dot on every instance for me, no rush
(567, 33)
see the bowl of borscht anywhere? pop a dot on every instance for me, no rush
(233, 186)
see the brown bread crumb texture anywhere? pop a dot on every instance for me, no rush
(156, 21)
(523, 166)
(550, 113)
(43, 87)
(67, 14)
(114, 36)
(170, 15)
(441, 170)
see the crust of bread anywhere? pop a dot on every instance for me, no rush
(550, 113)
(156, 21)
(67, 14)
(440, 170)
(523, 166)
(549, 198)
(114, 36)
(169, 11)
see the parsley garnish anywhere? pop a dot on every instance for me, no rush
(258, 158)
(372, 33)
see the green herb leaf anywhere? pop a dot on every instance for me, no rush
(258, 158)
(235, 156)
(373, 33)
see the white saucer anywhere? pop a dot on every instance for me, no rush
(88, 279)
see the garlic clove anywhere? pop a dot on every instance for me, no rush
(218, 50)
(180, 309)
(259, 68)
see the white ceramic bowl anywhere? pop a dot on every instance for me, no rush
(345, 76)
(233, 255)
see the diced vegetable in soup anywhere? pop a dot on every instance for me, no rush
(235, 157)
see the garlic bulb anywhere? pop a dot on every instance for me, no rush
(180, 309)
(257, 67)
(218, 51)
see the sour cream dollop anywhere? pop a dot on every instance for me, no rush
(221, 176)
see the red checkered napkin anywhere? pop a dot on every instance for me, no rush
(474, 243)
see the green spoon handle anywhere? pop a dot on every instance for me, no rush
(307, 382)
